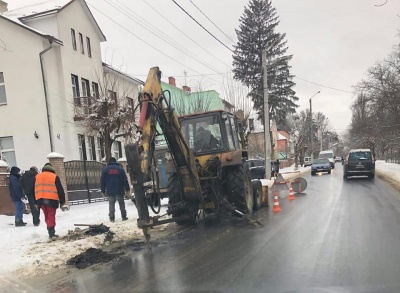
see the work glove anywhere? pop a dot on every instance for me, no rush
(36, 207)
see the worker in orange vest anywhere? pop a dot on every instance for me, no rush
(49, 194)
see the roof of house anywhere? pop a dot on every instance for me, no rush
(211, 98)
(280, 136)
(109, 67)
(284, 133)
(16, 21)
(43, 9)
(39, 8)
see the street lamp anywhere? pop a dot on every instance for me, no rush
(311, 135)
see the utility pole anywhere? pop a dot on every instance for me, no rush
(266, 118)
(311, 134)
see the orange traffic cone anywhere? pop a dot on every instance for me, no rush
(276, 208)
(291, 193)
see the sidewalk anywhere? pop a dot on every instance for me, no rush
(389, 172)
(27, 251)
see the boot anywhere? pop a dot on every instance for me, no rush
(19, 223)
(123, 215)
(52, 233)
(112, 217)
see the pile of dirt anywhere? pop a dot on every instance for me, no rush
(92, 230)
(90, 257)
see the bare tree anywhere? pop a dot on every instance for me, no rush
(376, 110)
(110, 112)
(237, 94)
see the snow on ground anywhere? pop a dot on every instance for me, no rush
(27, 251)
(389, 172)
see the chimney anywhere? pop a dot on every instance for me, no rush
(3, 6)
(171, 80)
(186, 89)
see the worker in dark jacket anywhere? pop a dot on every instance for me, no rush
(114, 181)
(49, 194)
(17, 194)
(28, 185)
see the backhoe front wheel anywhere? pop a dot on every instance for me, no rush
(239, 188)
(174, 199)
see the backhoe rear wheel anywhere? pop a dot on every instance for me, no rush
(174, 198)
(239, 188)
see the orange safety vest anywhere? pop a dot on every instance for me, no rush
(45, 186)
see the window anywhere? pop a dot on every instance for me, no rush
(203, 134)
(91, 148)
(100, 148)
(112, 95)
(85, 88)
(130, 107)
(230, 135)
(3, 97)
(89, 48)
(73, 39)
(235, 133)
(117, 150)
(81, 146)
(7, 152)
(81, 43)
(75, 87)
(95, 90)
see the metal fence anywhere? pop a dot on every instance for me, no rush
(83, 181)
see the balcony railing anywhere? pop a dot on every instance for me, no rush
(81, 108)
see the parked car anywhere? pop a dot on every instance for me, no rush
(307, 161)
(257, 168)
(328, 155)
(359, 162)
(321, 165)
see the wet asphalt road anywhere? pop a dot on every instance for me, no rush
(336, 237)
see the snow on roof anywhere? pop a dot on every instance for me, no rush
(3, 164)
(280, 136)
(38, 8)
(107, 66)
(46, 8)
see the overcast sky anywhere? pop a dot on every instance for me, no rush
(333, 42)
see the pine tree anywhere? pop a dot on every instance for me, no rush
(256, 33)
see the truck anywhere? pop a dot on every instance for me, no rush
(207, 172)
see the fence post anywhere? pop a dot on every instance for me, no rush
(57, 161)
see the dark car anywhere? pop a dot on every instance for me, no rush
(257, 168)
(321, 165)
(359, 162)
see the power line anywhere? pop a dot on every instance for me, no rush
(150, 28)
(324, 85)
(202, 26)
(211, 54)
(210, 20)
(147, 43)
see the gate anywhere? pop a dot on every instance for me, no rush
(83, 181)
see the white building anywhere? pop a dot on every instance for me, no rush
(50, 60)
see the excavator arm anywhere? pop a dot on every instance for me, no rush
(156, 109)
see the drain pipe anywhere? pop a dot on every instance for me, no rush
(46, 96)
